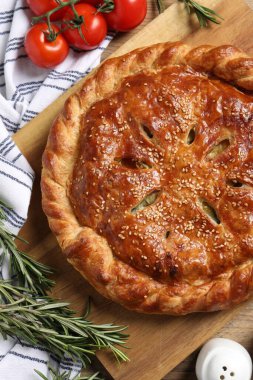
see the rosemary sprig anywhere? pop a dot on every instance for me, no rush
(27, 271)
(52, 324)
(203, 14)
(66, 376)
(26, 312)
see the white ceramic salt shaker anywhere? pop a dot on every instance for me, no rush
(223, 359)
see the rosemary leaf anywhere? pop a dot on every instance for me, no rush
(28, 313)
(27, 271)
(203, 13)
(66, 376)
(53, 325)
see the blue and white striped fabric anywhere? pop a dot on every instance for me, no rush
(25, 90)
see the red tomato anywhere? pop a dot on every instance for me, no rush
(41, 51)
(127, 14)
(39, 7)
(95, 3)
(93, 28)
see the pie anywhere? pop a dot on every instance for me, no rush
(147, 178)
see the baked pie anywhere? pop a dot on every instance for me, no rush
(147, 178)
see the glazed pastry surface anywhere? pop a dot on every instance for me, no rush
(148, 178)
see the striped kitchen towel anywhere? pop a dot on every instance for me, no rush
(25, 90)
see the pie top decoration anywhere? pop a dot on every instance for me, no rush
(147, 178)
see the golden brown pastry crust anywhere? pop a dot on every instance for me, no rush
(159, 121)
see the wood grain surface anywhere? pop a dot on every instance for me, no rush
(157, 343)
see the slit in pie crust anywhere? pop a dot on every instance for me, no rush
(147, 178)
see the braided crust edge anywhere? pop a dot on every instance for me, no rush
(90, 253)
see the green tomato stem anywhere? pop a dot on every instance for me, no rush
(106, 7)
(47, 15)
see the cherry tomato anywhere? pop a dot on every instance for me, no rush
(95, 3)
(41, 51)
(93, 28)
(39, 7)
(126, 15)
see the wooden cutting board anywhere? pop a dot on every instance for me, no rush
(157, 343)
